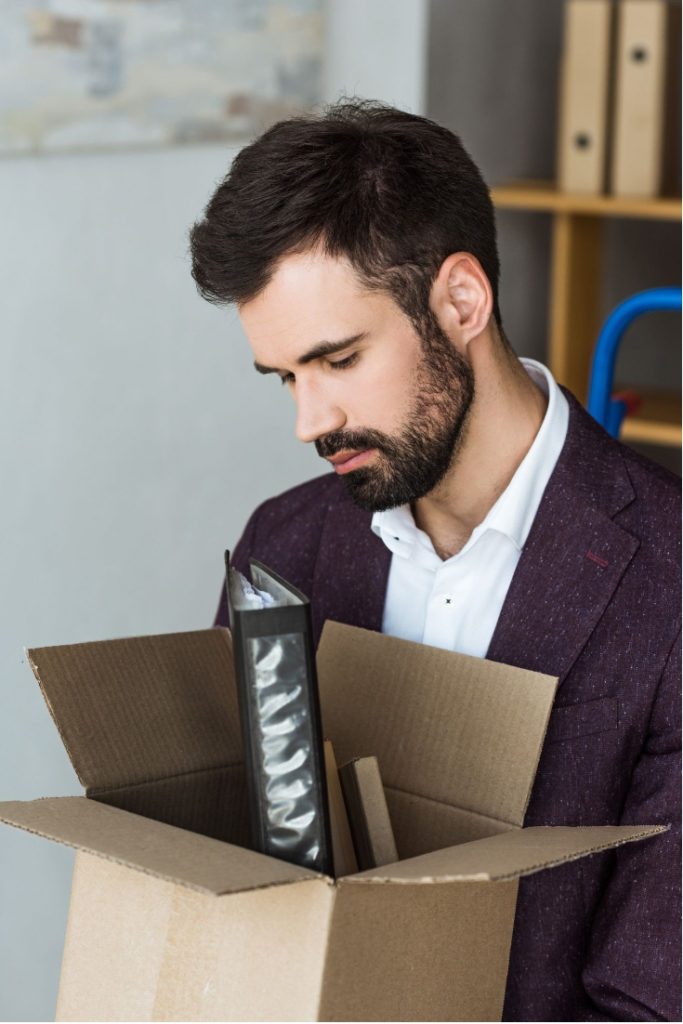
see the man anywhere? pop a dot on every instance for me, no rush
(473, 505)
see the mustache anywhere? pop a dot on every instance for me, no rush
(358, 440)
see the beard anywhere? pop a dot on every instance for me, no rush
(412, 463)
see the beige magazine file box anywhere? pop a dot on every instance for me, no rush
(171, 918)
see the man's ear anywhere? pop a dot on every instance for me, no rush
(461, 298)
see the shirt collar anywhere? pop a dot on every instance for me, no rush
(515, 510)
(397, 528)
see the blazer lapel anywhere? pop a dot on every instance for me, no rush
(574, 557)
(351, 572)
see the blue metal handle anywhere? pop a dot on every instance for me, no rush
(606, 410)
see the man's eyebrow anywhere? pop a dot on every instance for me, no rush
(325, 348)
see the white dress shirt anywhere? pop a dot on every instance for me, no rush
(456, 603)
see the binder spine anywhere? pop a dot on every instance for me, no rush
(585, 96)
(640, 98)
(281, 728)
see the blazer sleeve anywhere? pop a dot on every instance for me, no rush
(633, 967)
(239, 558)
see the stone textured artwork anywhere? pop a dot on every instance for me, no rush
(105, 74)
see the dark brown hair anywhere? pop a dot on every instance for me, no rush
(392, 192)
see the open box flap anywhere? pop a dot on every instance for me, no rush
(143, 708)
(455, 729)
(167, 852)
(508, 855)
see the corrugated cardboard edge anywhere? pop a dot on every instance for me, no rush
(343, 848)
(347, 654)
(160, 875)
(305, 876)
(373, 878)
(539, 751)
(365, 799)
(99, 666)
(28, 654)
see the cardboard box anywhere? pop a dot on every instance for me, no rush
(172, 919)
(368, 813)
(343, 852)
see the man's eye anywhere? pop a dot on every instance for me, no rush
(343, 364)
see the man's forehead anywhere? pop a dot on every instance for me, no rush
(302, 284)
(310, 299)
(299, 269)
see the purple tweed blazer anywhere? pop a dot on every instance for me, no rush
(595, 600)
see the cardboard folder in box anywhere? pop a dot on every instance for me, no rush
(172, 919)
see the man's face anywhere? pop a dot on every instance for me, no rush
(386, 405)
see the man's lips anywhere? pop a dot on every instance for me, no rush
(345, 461)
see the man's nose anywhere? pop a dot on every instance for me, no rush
(316, 415)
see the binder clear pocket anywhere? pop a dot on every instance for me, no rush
(280, 718)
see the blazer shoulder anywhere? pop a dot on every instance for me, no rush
(652, 483)
(655, 515)
(615, 476)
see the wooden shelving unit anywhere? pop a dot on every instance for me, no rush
(575, 315)
(658, 421)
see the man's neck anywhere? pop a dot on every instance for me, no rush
(504, 418)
